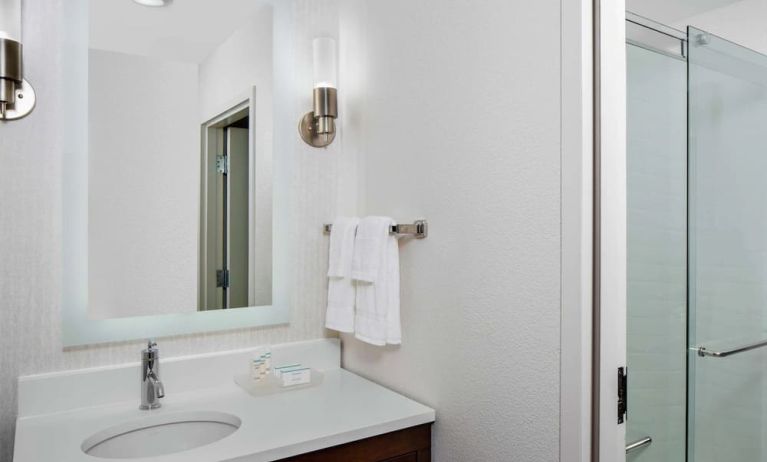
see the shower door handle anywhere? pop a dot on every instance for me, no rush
(703, 351)
(646, 441)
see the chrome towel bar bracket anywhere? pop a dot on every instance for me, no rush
(418, 229)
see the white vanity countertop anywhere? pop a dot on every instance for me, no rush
(343, 408)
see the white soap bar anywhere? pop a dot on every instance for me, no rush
(296, 377)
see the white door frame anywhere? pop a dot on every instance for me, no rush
(212, 135)
(577, 160)
(593, 195)
(609, 437)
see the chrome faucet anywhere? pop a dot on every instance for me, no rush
(151, 387)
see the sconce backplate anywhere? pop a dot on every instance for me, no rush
(307, 127)
(25, 102)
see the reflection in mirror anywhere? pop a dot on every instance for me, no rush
(179, 195)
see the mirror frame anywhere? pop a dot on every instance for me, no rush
(77, 328)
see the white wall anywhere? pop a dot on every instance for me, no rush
(144, 180)
(226, 78)
(243, 60)
(657, 257)
(454, 107)
(458, 111)
(31, 223)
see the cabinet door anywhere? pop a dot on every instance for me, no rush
(412, 457)
(408, 445)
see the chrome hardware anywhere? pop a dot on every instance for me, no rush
(623, 395)
(702, 39)
(418, 229)
(222, 278)
(703, 351)
(318, 128)
(152, 388)
(646, 441)
(222, 164)
(17, 98)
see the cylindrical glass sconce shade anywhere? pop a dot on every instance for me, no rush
(325, 63)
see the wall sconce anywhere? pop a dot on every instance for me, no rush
(17, 97)
(318, 128)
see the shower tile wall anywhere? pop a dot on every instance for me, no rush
(657, 155)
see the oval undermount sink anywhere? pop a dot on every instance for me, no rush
(161, 434)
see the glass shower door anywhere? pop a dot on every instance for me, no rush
(727, 267)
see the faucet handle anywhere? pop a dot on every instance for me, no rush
(151, 352)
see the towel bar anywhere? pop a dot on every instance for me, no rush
(418, 229)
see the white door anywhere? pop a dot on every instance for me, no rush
(237, 216)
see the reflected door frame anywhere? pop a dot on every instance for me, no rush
(215, 221)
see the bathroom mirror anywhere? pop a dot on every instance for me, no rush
(168, 194)
(173, 169)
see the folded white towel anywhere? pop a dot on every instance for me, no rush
(341, 297)
(375, 270)
(372, 233)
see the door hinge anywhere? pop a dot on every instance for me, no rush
(222, 164)
(222, 278)
(623, 396)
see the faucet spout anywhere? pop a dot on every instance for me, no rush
(158, 389)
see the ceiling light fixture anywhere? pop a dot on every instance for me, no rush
(153, 3)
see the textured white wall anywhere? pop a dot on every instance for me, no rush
(243, 60)
(458, 108)
(657, 257)
(455, 122)
(143, 186)
(30, 230)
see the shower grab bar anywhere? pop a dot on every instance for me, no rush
(646, 441)
(703, 351)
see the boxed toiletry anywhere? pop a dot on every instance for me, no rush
(295, 376)
(264, 379)
(287, 368)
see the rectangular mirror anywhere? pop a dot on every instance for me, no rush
(169, 196)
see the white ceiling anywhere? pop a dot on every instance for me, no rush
(186, 30)
(671, 11)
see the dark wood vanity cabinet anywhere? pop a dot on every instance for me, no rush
(408, 445)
